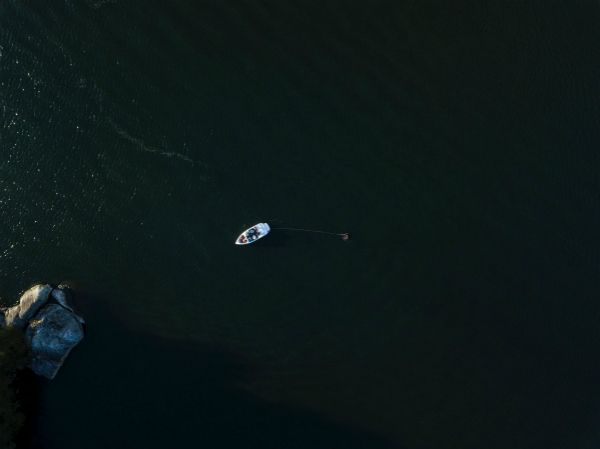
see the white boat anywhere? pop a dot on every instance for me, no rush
(252, 234)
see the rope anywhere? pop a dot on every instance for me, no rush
(310, 230)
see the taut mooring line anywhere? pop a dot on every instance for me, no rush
(344, 236)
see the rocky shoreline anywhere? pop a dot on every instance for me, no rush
(51, 330)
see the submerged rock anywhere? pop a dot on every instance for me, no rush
(51, 336)
(62, 295)
(31, 301)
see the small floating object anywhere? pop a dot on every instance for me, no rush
(252, 234)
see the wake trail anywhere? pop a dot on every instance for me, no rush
(140, 144)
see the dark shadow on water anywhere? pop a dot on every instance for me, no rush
(28, 386)
(123, 389)
(275, 239)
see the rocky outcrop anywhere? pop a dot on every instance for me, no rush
(62, 294)
(52, 330)
(53, 333)
(31, 301)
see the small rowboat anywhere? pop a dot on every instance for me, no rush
(253, 234)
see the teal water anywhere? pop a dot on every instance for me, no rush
(455, 142)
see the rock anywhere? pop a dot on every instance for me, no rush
(51, 336)
(31, 301)
(62, 295)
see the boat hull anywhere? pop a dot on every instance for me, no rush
(253, 234)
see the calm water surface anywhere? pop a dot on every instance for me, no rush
(457, 143)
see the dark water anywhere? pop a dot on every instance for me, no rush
(457, 142)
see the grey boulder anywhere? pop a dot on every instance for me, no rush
(51, 336)
(31, 301)
(63, 297)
